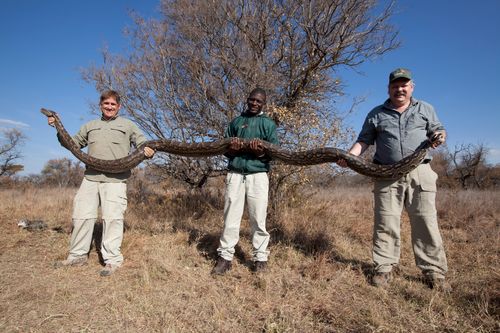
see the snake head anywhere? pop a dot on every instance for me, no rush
(48, 113)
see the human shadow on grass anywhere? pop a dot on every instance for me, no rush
(313, 245)
(207, 243)
(97, 239)
(309, 245)
(196, 206)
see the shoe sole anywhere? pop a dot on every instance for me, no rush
(61, 265)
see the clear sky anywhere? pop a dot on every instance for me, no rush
(452, 47)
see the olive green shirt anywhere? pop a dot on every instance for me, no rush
(109, 140)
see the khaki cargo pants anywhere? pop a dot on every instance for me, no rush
(112, 197)
(417, 193)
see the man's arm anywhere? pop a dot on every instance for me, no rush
(357, 149)
(79, 138)
(137, 138)
(435, 130)
(270, 136)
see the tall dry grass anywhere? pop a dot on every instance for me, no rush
(317, 281)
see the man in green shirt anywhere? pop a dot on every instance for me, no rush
(108, 138)
(247, 180)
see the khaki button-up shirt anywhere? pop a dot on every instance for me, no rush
(109, 140)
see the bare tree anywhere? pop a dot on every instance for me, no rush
(10, 144)
(62, 172)
(470, 168)
(190, 72)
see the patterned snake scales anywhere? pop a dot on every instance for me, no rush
(205, 149)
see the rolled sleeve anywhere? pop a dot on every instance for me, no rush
(433, 124)
(368, 133)
(137, 137)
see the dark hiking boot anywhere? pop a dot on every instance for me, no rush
(382, 279)
(260, 266)
(222, 266)
(437, 283)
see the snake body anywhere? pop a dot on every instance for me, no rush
(206, 149)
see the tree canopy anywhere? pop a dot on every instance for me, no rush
(190, 71)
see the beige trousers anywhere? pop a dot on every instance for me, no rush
(417, 193)
(253, 189)
(112, 197)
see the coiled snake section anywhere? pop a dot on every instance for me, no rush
(206, 149)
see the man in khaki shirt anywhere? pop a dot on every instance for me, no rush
(107, 138)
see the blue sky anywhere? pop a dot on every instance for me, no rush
(452, 47)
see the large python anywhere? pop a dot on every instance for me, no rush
(205, 149)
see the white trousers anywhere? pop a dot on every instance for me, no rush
(112, 197)
(253, 189)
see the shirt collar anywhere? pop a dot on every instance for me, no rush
(388, 104)
(248, 114)
(109, 119)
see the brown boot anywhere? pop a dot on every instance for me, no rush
(381, 279)
(80, 261)
(222, 266)
(260, 266)
(437, 283)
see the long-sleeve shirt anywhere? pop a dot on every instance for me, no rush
(109, 140)
(251, 127)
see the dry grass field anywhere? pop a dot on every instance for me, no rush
(317, 281)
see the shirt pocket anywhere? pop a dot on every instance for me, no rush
(385, 125)
(94, 134)
(417, 121)
(118, 135)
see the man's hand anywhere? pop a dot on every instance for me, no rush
(342, 163)
(51, 121)
(257, 147)
(149, 152)
(438, 138)
(235, 146)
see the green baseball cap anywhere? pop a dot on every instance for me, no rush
(400, 73)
